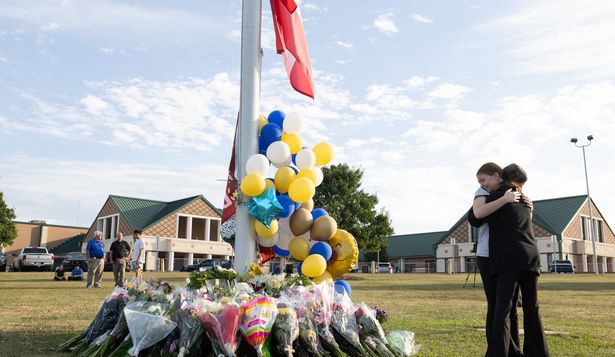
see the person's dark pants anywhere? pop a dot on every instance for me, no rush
(75, 278)
(58, 278)
(534, 340)
(490, 287)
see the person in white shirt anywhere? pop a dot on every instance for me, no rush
(138, 255)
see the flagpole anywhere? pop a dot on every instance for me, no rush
(247, 143)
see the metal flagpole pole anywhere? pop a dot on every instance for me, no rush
(247, 144)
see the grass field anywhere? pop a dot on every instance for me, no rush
(37, 314)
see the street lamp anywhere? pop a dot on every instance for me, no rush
(591, 221)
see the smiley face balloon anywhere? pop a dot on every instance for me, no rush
(347, 253)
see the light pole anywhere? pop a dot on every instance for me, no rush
(589, 202)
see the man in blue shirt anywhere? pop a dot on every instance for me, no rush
(95, 250)
(77, 273)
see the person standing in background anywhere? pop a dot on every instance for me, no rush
(120, 251)
(138, 255)
(95, 250)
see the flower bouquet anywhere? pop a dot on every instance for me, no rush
(308, 344)
(402, 343)
(319, 298)
(345, 326)
(148, 324)
(286, 328)
(221, 321)
(190, 329)
(257, 318)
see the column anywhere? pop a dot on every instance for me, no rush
(208, 256)
(43, 240)
(190, 258)
(189, 229)
(604, 269)
(462, 263)
(584, 261)
(113, 229)
(207, 229)
(401, 265)
(170, 261)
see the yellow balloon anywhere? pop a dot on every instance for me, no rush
(347, 253)
(294, 142)
(253, 185)
(301, 190)
(299, 248)
(283, 178)
(308, 172)
(262, 121)
(265, 232)
(269, 184)
(323, 278)
(314, 265)
(324, 153)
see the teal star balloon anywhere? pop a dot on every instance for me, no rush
(264, 207)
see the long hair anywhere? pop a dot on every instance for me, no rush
(490, 169)
(514, 177)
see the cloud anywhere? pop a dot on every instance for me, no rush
(343, 44)
(421, 18)
(566, 36)
(385, 24)
(449, 91)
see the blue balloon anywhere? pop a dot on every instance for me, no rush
(299, 268)
(287, 204)
(322, 248)
(318, 212)
(277, 117)
(342, 286)
(281, 252)
(269, 134)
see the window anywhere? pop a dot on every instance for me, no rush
(108, 225)
(473, 234)
(598, 229)
(182, 227)
(198, 228)
(214, 229)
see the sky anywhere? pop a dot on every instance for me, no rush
(140, 98)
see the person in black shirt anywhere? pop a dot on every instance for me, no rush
(120, 251)
(515, 260)
(59, 273)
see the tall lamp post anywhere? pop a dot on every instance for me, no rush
(591, 221)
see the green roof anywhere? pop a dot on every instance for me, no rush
(71, 245)
(414, 245)
(142, 213)
(556, 213)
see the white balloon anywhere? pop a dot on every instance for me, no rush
(278, 152)
(268, 242)
(319, 175)
(305, 158)
(285, 163)
(257, 164)
(293, 123)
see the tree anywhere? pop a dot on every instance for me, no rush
(354, 210)
(8, 232)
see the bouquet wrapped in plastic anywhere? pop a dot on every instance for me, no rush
(286, 328)
(368, 323)
(319, 299)
(345, 325)
(308, 343)
(148, 324)
(221, 321)
(190, 328)
(402, 343)
(257, 318)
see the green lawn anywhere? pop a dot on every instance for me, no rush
(37, 314)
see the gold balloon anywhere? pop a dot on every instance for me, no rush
(294, 142)
(302, 189)
(309, 205)
(308, 172)
(300, 221)
(324, 153)
(347, 253)
(323, 228)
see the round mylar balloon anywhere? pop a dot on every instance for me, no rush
(265, 232)
(267, 242)
(322, 248)
(283, 178)
(300, 221)
(257, 164)
(299, 248)
(342, 287)
(314, 265)
(305, 158)
(293, 123)
(278, 152)
(252, 185)
(277, 117)
(346, 251)
(319, 175)
(302, 189)
(262, 121)
(323, 228)
(308, 172)
(324, 278)
(294, 142)
(309, 205)
(324, 153)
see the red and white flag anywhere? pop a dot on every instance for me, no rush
(229, 210)
(291, 44)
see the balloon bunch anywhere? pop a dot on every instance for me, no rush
(283, 208)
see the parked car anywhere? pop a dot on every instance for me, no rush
(2, 262)
(561, 266)
(385, 268)
(33, 257)
(73, 258)
(208, 264)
